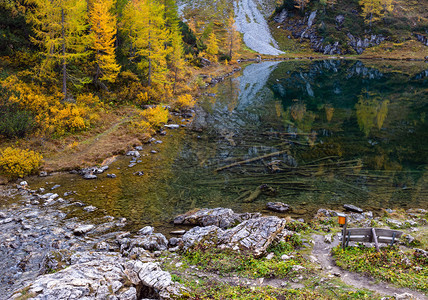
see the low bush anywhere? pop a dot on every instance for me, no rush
(184, 102)
(153, 118)
(15, 122)
(16, 162)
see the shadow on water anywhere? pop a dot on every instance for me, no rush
(315, 134)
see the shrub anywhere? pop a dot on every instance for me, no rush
(153, 118)
(18, 163)
(69, 118)
(15, 122)
(184, 101)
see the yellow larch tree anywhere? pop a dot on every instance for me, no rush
(60, 29)
(103, 37)
(301, 4)
(212, 47)
(232, 38)
(371, 10)
(145, 24)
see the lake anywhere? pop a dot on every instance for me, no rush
(312, 134)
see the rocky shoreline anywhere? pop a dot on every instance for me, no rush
(47, 255)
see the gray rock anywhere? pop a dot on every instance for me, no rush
(286, 257)
(148, 241)
(221, 217)
(55, 186)
(409, 238)
(328, 238)
(90, 208)
(394, 223)
(133, 153)
(254, 235)
(43, 174)
(311, 18)
(352, 208)
(208, 234)
(172, 126)
(104, 276)
(2, 215)
(89, 176)
(146, 230)
(174, 241)
(281, 17)
(111, 176)
(339, 20)
(278, 206)
(83, 229)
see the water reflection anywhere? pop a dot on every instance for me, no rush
(357, 133)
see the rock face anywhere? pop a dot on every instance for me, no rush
(251, 22)
(220, 217)
(422, 39)
(253, 235)
(105, 276)
(305, 29)
(360, 44)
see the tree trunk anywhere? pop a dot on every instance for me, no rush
(175, 80)
(64, 62)
(150, 60)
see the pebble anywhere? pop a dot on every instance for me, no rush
(111, 175)
(55, 186)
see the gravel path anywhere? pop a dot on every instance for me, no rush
(251, 22)
(322, 252)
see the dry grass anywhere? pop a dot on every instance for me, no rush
(109, 137)
(404, 51)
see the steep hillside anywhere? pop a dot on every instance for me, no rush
(399, 31)
(342, 28)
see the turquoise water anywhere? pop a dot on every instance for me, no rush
(317, 134)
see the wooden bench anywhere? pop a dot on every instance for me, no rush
(370, 235)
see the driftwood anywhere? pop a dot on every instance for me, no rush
(290, 133)
(253, 195)
(250, 160)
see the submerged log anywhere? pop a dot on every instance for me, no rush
(250, 160)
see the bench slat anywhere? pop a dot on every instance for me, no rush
(366, 235)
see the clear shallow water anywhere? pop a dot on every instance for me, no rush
(331, 132)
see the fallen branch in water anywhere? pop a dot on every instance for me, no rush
(289, 133)
(250, 160)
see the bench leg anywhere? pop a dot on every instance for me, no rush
(393, 239)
